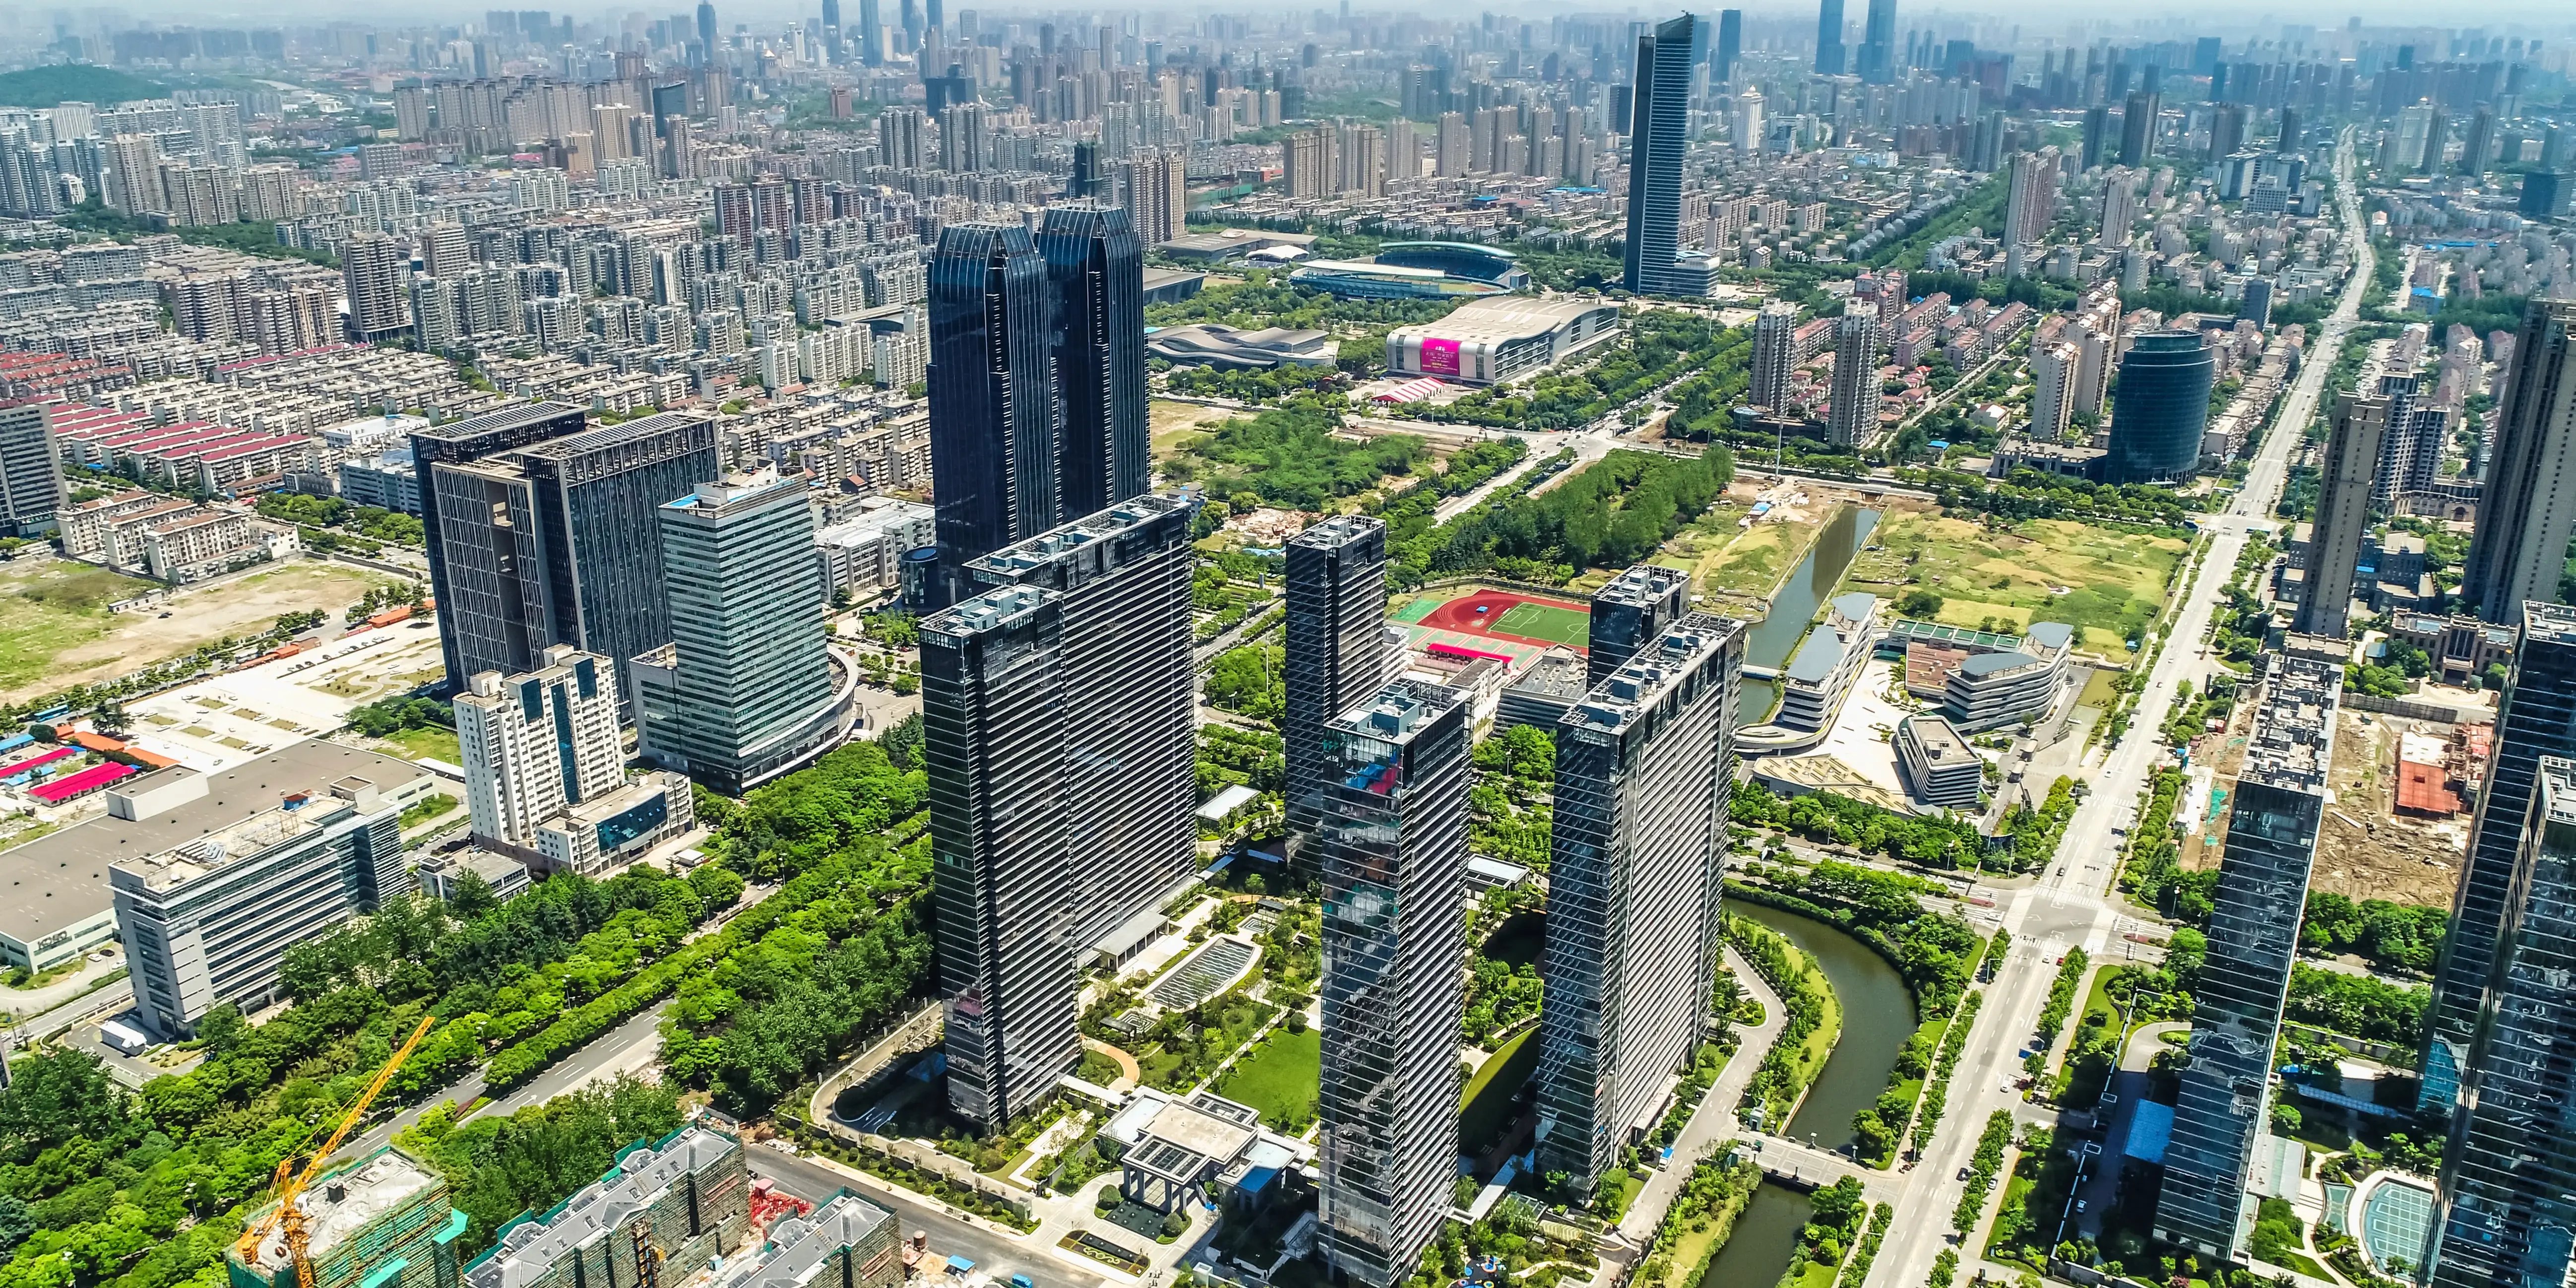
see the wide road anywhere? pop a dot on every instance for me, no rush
(2071, 905)
(997, 1255)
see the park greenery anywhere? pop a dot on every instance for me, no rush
(1288, 456)
(370, 522)
(2030, 494)
(498, 1166)
(1255, 385)
(1251, 680)
(2390, 936)
(1510, 810)
(1699, 1221)
(1811, 1018)
(1834, 1218)
(1614, 513)
(1942, 840)
(1266, 299)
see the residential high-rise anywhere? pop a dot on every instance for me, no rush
(2053, 372)
(1878, 44)
(2410, 452)
(901, 131)
(1131, 698)
(994, 706)
(1096, 270)
(444, 250)
(1157, 196)
(536, 742)
(1853, 419)
(2119, 208)
(746, 690)
(2524, 517)
(1829, 38)
(1644, 767)
(2030, 196)
(1659, 260)
(31, 471)
(2353, 436)
(993, 416)
(486, 569)
(1775, 354)
(1629, 612)
(1730, 46)
(1392, 852)
(374, 270)
(2138, 128)
(1336, 645)
(563, 540)
(2253, 939)
(2535, 719)
(2160, 408)
(2509, 1170)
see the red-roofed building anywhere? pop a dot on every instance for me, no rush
(75, 786)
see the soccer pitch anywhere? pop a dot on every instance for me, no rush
(1546, 622)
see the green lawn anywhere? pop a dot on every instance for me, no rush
(2109, 583)
(1545, 622)
(1280, 1078)
(51, 607)
(432, 744)
(1487, 1105)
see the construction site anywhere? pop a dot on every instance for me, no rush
(2404, 791)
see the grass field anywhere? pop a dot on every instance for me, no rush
(1280, 1078)
(1546, 622)
(433, 744)
(53, 607)
(2110, 584)
(1487, 1105)
(55, 630)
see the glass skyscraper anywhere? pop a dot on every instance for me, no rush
(1644, 767)
(484, 621)
(2253, 939)
(2526, 511)
(1629, 612)
(2535, 718)
(994, 424)
(2161, 408)
(1659, 258)
(595, 497)
(1392, 850)
(2508, 1192)
(1829, 38)
(1096, 272)
(1336, 647)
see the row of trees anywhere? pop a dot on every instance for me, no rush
(1943, 840)
(1662, 344)
(1289, 457)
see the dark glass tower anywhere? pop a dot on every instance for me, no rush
(2508, 1193)
(1336, 583)
(993, 419)
(1829, 37)
(1644, 764)
(1730, 45)
(2535, 718)
(1393, 853)
(596, 497)
(2519, 551)
(1629, 612)
(994, 718)
(2161, 409)
(1878, 43)
(1096, 270)
(460, 443)
(2253, 938)
(1657, 143)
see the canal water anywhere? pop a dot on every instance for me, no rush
(1878, 1016)
(1765, 1236)
(1770, 643)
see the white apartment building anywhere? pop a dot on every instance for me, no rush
(537, 744)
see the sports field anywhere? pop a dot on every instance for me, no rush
(1505, 615)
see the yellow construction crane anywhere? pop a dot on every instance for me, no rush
(291, 1183)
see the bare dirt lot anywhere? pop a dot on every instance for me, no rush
(2367, 850)
(58, 631)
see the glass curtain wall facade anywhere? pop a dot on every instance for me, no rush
(1658, 144)
(2253, 939)
(2161, 408)
(1096, 268)
(1628, 613)
(994, 423)
(1392, 850)
(1336, 642)
(485, 640)
(2535, 718)
(594, 496)
(1644, 768)
(752, 670)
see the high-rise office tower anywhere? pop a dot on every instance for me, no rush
(746, 690)
(536, 742)
(2253, 939)
(2292, 126)
(1629, 612)
(2353, 438)
(560, 541)
(2160, 408)
(1730, 45)
(31, 471)
(2478, 145)
(1659, 261)
(1096, 271)
(1336, 647)
(2509, 1170)
(1775, 354)
(374, 271)
(707, 28)
(872, 49)
(1829, 37)
(993, 416)
(2138, 129)
(1878, 44)
(2030, 196)
(993, 705)
(2536, 718)
(2097, 131)
(1392, 851)
(2226, 130)
(487, 572)
(1853, 419)
(1644, 766)
(1130, 694)
(2527, 510)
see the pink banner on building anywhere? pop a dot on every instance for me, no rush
(1439, 357)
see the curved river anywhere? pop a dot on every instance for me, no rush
(1878, 1016)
